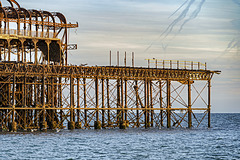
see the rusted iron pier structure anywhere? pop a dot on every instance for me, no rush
(38, 90)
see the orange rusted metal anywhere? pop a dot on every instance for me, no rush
(40, 91)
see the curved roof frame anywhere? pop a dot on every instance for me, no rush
(13, 1)
(3, 10)
(53, 19)
(26, 14)
(39, 15)
(61, 17)
(14, 10)
(5, 16)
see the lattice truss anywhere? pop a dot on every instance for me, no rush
(39, 90)
(142, 103)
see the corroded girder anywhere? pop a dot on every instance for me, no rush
(106, 72)
(17, 23)
(44, 92)
(46, 96)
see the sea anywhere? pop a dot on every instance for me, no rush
(220, 142)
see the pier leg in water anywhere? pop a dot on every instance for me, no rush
(44, 126)
(13, 127)
(124, 124)
(71, 125)
(97, 125)
(53, 125)
(78, 125)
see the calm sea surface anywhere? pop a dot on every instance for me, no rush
(222, 141)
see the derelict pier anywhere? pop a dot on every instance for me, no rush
(39, 90)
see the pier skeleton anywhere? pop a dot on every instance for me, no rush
(39, 90)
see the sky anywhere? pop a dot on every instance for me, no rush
(196, 30)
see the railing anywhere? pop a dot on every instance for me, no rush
(69, 25)
(175, 64)
(102, 72)
(38, 34)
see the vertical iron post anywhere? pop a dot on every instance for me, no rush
(137, 105)
(189, 105)
(132, 59)
(108, 102)
(145, 102)
(78, 100)
(125, 59)
(71, 98)
(209, 103)
(161, 102)
(103, 105)
(85, 102)
(43, 100)
(118, 58)
(151, 102)
(96, 101)
(13, 96)
(110, 58)
(125, 98)
(118, 101)
(168, 103)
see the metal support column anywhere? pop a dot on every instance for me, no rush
(78, 100)
(145, 103)
(209, 103)
(71, 98)
(97, 101)
(122, 101)
(24, 101)
(151, 103)
(48, 50)
(85, 102)
(60, 102)
(9, 51)
(13, 124)
(137, 104)
(44, 124)
(103, 105)
(108, 102)
(168, 104)
(71, 123)
(118, 102)
(161, 102)
(126, 100)
(36, 50)
(97, 123)
(189, 105)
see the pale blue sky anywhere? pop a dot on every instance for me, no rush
(211, 34)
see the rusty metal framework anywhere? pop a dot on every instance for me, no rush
(32, 35)
(51, 94)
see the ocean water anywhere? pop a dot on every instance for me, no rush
(222, 141)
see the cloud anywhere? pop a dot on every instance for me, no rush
(180, 21)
